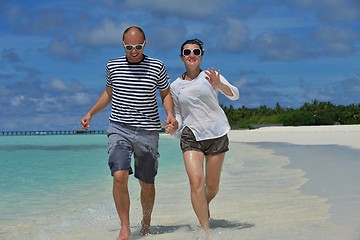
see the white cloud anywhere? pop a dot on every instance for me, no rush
(57, 84)
(199, 8)
(241, 82)
(47, 104)
(25, 20)
(108, 32)
(351, 86)
(81, 99)
(62, 47)
(332, 10)
(17, 100)
(278, 47)
(337, 41)
(235, 35)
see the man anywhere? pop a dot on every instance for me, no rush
(131, 83)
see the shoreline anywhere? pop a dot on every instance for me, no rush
(328, 155)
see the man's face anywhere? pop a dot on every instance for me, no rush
(134, 44)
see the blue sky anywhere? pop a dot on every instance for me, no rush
(53, 53)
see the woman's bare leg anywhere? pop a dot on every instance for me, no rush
(194, 162)
(214, 165)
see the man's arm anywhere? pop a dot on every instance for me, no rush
(168, 105)
(101, 103)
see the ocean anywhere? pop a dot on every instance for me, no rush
(59, 187)
(46, 176)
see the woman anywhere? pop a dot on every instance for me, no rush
(203, 126)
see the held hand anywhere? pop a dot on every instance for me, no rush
(85, 122)
(213, 77)
(169, 129)
(171, 125)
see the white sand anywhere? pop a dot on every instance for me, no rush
(337, 181)
(263, 193)
(345, 135)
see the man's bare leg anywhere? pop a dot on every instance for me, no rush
(147, 197)
(122, 202)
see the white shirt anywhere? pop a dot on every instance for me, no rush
(197, 106)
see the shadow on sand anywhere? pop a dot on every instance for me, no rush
(223, 223)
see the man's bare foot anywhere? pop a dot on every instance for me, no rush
(124, 233)
(145, 228)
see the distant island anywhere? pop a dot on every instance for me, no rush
(309, 114)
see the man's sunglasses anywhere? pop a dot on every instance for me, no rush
(131, 47)
(187, 52)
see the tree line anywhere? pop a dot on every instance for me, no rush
(315, 113)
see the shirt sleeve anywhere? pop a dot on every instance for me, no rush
(108, 76)
(234, 90)
(163, 83)
(176, 110)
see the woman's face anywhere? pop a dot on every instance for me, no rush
(191, 55)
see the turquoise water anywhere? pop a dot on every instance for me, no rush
(45, 174)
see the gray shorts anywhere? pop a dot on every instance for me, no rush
(208, 147)
(123, 141)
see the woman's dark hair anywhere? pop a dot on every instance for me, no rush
(193, 41)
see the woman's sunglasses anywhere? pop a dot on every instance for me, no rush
(187, 52)
(131, 47)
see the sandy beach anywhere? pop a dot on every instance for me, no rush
(344, 135)
(331, 174)
(272, 193)
(278, 183)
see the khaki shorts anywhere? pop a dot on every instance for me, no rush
(125, 141)
(208, 146)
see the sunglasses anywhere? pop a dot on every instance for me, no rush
(187, 52)
(131, 47)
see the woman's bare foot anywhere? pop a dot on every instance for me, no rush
(203, 233)
(124, 233)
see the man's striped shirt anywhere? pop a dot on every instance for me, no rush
(134, 87)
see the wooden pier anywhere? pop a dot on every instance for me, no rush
(54, 132)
